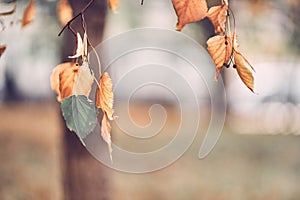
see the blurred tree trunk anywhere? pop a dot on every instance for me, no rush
(84, 177)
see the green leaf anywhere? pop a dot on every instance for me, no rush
(80, 114)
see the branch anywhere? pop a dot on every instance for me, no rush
(142, 2)
(11, 11)
(79, 14)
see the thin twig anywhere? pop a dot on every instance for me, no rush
(72, 30)
(11, 11)
(142, 2)
(79, 14)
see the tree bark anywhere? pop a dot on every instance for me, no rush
(84, 177)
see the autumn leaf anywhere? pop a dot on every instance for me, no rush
(243, 67)
(104, 95)
(29, 13)
(244, 70)
(105, 133)
(113, 4)
(2, 49)
(81, 49)
(84, 81)
(218, 15)
(189, 11)
(220, 49)
(104, 101)
(63, 78)
(64, 11)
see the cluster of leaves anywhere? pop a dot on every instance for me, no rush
(72, 81)
(223, 47)
(28, 16)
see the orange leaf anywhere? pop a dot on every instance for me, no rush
(105, 132)
(113, 4)
(62, 79)
(2, 49)
(29, 13)
(189, 11)
(64, 11)
(105, 96)
(217, 15)
(220, 49)
(244, 70)
(84, 81)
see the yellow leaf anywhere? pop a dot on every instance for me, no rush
(113, 4)
(104, 96)
(64, 11)
(244, 70)
(62, 79)
(2, 49)
(189, 11)
(84, 81)
(220, 49)
(29, 13)
(217, 15)
(105, 133)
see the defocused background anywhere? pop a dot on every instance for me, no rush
(257, 156)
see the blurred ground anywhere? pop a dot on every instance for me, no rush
(240, 167)
(30, 152)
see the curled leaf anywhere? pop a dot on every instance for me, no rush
(84, 81)
(64, 11)
(113, 4)
(2, 49)
(244, 70)
(105, 133)
(29, 13)
(220, 49)
(104, 101)
(217, 15)
(189, 11)
(63, 78)
(104, 95)
(81, 49)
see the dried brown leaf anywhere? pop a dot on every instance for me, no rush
(113, 4)
(105, 133)
(217, 15)
(220, 49)
(189, 11)
(62, 79)
(64, 11)
(84, 81)
(29, 13)
(244, 70)
(104, 95)
(81, 49)
(2, 49)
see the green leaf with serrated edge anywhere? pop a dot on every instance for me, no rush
(80, 114)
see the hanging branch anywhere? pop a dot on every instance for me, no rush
(81, 13)
(12, 11)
